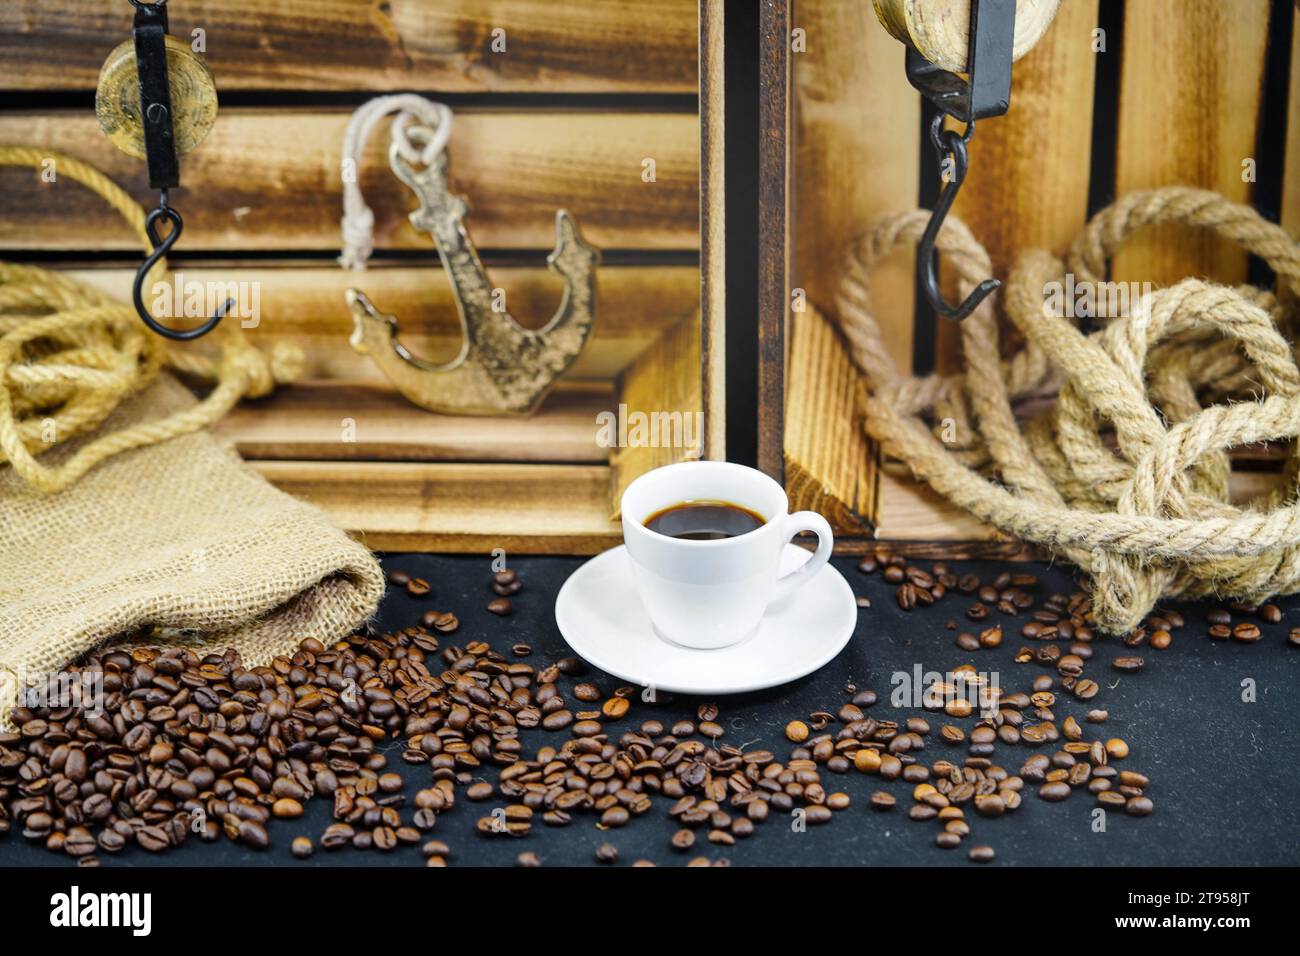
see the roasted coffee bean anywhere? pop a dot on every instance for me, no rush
(557, 720)
(906, 595)
(614, 817)
(286, 809)
(417, 587)
(1128, 664)
(500, 606)
(981, 854)
(615, 708)
(881, 800)
(302, 847)
(1057, 790)
(606, 853)
(1246, 632)
(337, 835)
(817, 814)
(1086, 689)
(838, 801)
(1139, 806)
(867, 760)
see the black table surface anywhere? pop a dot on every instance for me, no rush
(1214, 724)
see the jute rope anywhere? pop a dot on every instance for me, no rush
(1191, 372)
(69, 355)
(358, 221)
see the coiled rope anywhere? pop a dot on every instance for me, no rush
(69, 355)
(1195, 370)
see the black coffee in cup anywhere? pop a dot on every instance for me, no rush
(704, 520)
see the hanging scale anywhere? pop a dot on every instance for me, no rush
(156, 101)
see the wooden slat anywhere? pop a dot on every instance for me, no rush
(552, 46)
(912, 512)
(1029, 169)
(1291, 180)
(664, 385)
(269, 179)
(304, 305)
(1192, 81)
(713, 227)
(773, 232)
(348, 422)
(829, 462)
(537, 509)
(855, 151)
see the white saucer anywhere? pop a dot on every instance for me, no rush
(602, 618)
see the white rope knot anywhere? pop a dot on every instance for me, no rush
(357, 225)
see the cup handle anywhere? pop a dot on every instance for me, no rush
(795, 523)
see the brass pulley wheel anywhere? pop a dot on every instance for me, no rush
(193, 98)
(939, 30)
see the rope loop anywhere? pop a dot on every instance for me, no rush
(69, 355)
(1126, 473)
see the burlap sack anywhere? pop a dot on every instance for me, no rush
(178, 535)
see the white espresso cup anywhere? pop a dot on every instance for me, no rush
(713, 593)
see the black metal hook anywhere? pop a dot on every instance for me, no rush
(160, 249)
(985, 92)
(150, 33)
(947, 142)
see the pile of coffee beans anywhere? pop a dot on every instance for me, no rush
(198, 745)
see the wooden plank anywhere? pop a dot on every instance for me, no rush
(348, 422)
(661, 407)
(1029, 169)
(829, 462)
(773, 239)
(1291, 181)
(1193, 74)
(551, 46)
(856, 142)
(304, 304)
(269, 179)
(713, 228)
(910, 511)
(464, 508)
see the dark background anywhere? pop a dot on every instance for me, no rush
(1223, 772)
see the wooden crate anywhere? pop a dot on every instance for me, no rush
(586, 90)
(1185, 91)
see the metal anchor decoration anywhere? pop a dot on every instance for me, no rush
(502, 368)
